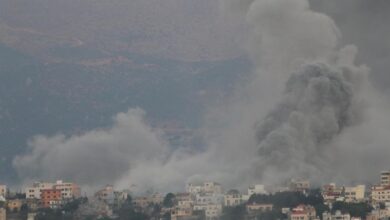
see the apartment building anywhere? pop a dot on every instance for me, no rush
(303, 212)
(380, 194)
(233, 198)
(34, 192)
(68, 190)
(355, 193)
(51, 198)
(181, 212)
(385, 178)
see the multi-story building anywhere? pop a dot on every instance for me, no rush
(332, 193)
(385, 178)
(34, 192)
(3, 213)
(51, 198)
(303, 212)
(193, 188)
(380, 194)
(3, 191)
(338, 215)
(68, 190)
(205, 199)
(213, 211)
(233, 198)
(185, 199)
(354, 194)
(181, 212)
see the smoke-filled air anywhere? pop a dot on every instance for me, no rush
(307, 109)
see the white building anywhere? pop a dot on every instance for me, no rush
(380, 194)
(256, 189)
(338, 215)
(233, 198)
(34, 192)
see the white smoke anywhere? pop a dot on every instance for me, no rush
(96, 156)
(308, 111)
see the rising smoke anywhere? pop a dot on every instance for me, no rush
(294, 139)
(309, 111)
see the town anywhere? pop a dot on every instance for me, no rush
(296, 201)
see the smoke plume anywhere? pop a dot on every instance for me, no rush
(96, 157)
(308, 112)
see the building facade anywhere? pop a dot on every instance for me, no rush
(51, 198)
(233, 198)
(34, 192)
(303, 212)
(338, 215)
(385, 178)
(3, 191)
(68, 190)
(355, 194)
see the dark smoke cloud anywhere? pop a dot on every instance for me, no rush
(318, 104)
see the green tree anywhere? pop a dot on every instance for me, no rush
(234, 213)
(271, 215)
(355, 209)
(169, 200)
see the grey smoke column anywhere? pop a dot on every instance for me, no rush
(296, 135)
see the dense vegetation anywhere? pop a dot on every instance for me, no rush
(355, 209)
